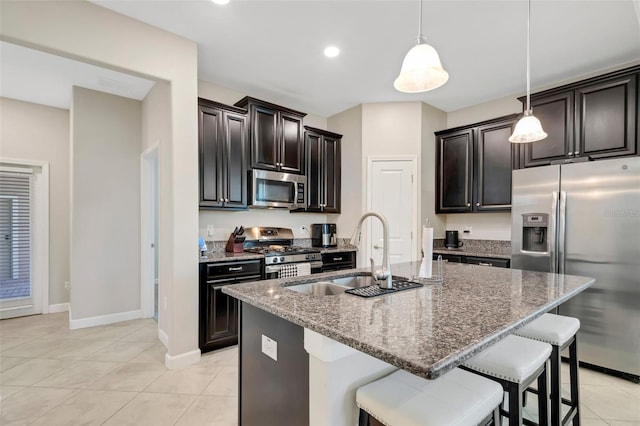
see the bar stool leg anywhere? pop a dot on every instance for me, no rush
(556, 390)
(543, 394)
(363, 418)
(515, 403)
(573, 370)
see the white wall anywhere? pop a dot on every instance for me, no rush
(105, 204)
(87, 32)
(225, 221)
(432, 120)
(156, 129)
(349, 124)
(37, 132)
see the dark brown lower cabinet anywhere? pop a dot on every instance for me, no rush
(218, 311)
(273, 392)
(474, 260)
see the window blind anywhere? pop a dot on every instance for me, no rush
(15, 233)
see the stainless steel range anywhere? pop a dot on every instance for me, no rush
(282, 259)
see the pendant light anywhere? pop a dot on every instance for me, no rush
(421, 69)
(528, 128)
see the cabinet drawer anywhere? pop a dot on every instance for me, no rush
(449, 257)
(338, 261)
(486, 261)
(229, 271)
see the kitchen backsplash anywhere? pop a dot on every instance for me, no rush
(219, 246)
(479, 246)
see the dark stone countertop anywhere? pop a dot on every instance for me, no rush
(426, 331)
(222, 256)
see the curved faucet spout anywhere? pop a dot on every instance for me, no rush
(383, 274)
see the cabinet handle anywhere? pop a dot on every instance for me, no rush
(238, 268)
(577, 152)
(570, 154)
(468, 204)
(485, 264)
(477, 204)
(222, 200)
(337, 259)
(226, 200)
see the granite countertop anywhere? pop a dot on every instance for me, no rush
(480, 248)
(426, 331)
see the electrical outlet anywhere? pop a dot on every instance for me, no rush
(302, 228)
(209, 230)
(270, 347)
(67, 285)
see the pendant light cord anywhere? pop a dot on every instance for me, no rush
(528, 55)
(420, 36)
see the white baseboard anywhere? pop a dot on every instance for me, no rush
(181, 361)
(58, 307)
(164, 338)
(103, 320)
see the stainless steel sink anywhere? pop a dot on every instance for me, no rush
(321, 288)
(336, 285)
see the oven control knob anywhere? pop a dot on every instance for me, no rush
(274, 260)
(282, 259)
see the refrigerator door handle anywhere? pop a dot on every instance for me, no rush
(553, 267)
(562, 218)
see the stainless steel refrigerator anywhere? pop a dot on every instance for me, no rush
(584, 219)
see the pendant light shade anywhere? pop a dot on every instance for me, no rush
(528, 128)
(421, 69)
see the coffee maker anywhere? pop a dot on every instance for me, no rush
(323, 235)
(451, 240)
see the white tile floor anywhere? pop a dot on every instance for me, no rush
(115, 375)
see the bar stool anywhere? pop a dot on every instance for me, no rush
(516, 362)
(560, 332)
(456, 398)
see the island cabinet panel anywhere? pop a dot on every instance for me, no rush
(276, 136)
(323, 167)
(590, 119)
(272, 392)
(474, 165)
(222, 140)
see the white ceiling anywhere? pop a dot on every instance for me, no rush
(38, 77)
(273, 49)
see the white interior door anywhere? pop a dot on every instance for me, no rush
(392, 192)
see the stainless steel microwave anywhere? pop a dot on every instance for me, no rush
(276, 189)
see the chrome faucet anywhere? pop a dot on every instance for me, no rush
(383, 275)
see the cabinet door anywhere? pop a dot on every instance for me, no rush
(221, 318)
(209, 140)
(494, 158)
(454, 172)
(606, 115)
(314, 172)
(331, 164)
(264, 138)
(555, 113)
(291, 143)
(235, 164)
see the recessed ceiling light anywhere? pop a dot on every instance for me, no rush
(331, 52)
(221, 2)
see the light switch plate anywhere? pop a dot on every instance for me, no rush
(209, 230)
(270, 347)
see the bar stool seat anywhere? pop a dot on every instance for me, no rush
(515, 362)
(456, 398)
(560, 332)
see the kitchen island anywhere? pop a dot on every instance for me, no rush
(426, 331)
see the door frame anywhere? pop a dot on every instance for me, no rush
(149, 159)
(39, 238)
(415, 190)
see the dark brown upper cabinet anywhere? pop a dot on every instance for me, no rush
(276, 136)
(222, 139)
(474, 164)
(323, 164)
(595, 118)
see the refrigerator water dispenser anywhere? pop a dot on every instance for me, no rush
(535, 232)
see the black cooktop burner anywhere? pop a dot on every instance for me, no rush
(279, 250)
